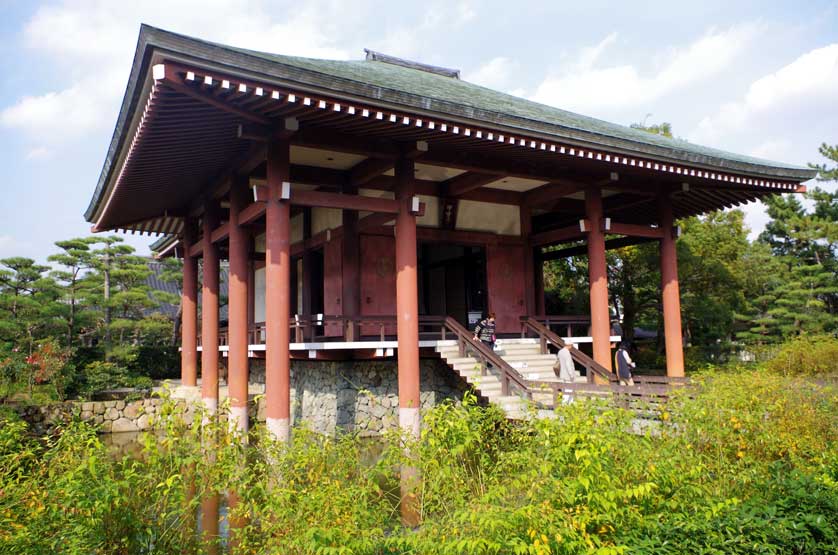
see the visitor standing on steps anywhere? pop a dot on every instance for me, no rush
(564, 367)
(565, 370)
(624, 364)
(485, 331)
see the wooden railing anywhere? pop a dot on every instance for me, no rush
(315, 328)
(640, 397)
(566, 322)
(547, 336)
(468, 346)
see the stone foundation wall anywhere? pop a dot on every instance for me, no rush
(355, 396)
(112, 416)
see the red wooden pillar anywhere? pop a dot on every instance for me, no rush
(407, 310)
(210, 516)
(670, 292)
(407, 301)
(530, 288)
(189, 311)
(238, 297)
(278, 293)
(351, 268)
(540, 300)
(209, 314)
(598, 278)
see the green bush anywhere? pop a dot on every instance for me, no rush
(745, 463)
(806, 355)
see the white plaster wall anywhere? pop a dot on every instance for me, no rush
(325, 218)
(259, 295)
(296, 228)
(504, 219)
(431, 217)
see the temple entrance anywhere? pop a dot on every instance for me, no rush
(452, 281)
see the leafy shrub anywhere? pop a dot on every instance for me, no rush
(748, 464)
(809, 355)
(100, 376)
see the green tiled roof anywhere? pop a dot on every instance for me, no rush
(408, 88)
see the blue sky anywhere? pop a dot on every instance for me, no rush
(759, 78)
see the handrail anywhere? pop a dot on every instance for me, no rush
(546, 335)
(466, 343)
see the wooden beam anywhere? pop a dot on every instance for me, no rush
(436, 235)
(283, 129)
(220, 233)
(568, 233)
(466, 182)
(333, 140)
(631, 230)
(253, 212)
(551, 192)
(366, 170)
(167, 74)
(345, 202)
(196, 249)
(582, 250)
(325, 200)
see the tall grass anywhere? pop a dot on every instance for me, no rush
(747, 465)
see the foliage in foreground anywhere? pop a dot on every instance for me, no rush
(748, 466)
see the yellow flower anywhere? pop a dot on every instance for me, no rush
(740, 454)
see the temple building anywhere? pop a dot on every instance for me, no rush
(376, 209)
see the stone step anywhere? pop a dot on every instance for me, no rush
(530, 357)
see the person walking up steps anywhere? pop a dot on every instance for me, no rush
(485, 330)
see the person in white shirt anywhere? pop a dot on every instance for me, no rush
(566, 370)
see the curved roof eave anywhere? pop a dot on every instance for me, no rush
(338, 78)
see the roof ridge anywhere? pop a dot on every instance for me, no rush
(373, 56)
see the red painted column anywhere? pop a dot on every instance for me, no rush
(189, 311)
(407, 328)
(351, 267)
(530, 289)
(598, 278)
(278, 294)
(238, 298)
(407, 301)
(209, 314)
(540, 301)
(670, 292)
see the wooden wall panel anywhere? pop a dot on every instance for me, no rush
(332, 284)
(378, 279)
(505, 281)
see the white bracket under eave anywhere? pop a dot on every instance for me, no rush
(285, 191)
(607, 224)
(582, 225)
(415, 205)
(158, 71)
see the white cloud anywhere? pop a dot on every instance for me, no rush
(58, 116)
(9, 246)
(587, 86)
(495, 74)
(91, 45)
(38, 153)
(807, 86)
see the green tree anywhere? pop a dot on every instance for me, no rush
(75, 259)
(806, 299)
(27, 295)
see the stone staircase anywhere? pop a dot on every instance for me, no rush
(524, 355)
